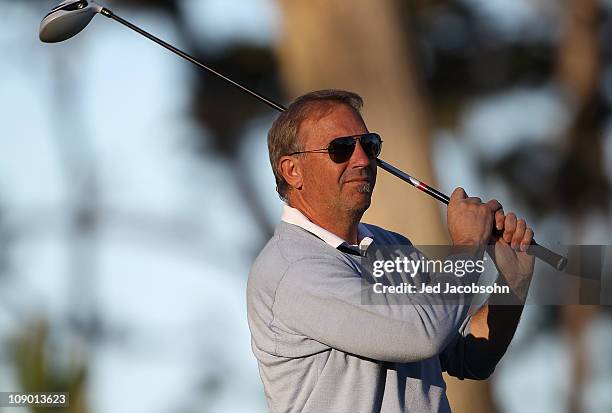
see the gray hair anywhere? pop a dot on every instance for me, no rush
(283, 135)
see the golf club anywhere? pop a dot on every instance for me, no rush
(72, 16)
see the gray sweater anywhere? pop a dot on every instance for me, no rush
(319, 349)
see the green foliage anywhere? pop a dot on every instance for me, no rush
(37, 369)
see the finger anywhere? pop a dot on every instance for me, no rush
(458, 194)
(509, 227)
(498, 210)
(527, 238)
(474, 200)
(494, 205)
(519, 233)
(499, 219)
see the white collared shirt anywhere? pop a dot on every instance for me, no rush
(294, 216)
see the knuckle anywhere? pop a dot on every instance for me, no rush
(459, 192)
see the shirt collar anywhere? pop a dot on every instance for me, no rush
(294, 216)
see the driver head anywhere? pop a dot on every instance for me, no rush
(67, 19)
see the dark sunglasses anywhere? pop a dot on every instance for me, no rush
(341, 149)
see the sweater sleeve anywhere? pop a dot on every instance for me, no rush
(324, 299)
(463, 357)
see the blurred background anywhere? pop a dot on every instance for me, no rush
(135, 190)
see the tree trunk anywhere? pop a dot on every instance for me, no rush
(578, 72)
(361, 46)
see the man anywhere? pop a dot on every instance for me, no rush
(319, 347)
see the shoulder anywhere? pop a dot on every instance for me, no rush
(293, 261)
(291, 249)
(291, 244)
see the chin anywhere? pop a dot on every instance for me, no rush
(361, 202)
(363, 193)
(365, 188)
(356, 200)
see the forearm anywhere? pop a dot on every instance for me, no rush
(492, 329)
(326, 301)
(486, 338)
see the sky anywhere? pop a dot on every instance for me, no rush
(101, 120)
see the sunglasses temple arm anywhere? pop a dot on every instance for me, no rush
(549, 257)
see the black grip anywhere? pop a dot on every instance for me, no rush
(552, 258)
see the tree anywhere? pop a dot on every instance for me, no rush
(362, 46)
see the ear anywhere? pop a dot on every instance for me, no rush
(291, 170)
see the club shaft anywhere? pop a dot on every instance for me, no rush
(557, 261)
(543, 253)
(106, 12)
(413, 181)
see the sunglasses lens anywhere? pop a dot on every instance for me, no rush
(371, 144)
(341, 149)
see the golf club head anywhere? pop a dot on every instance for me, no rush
(67, 19)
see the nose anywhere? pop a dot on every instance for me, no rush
(359, 159)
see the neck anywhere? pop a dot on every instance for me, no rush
(344, 225)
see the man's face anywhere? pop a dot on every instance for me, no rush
(338, 188)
